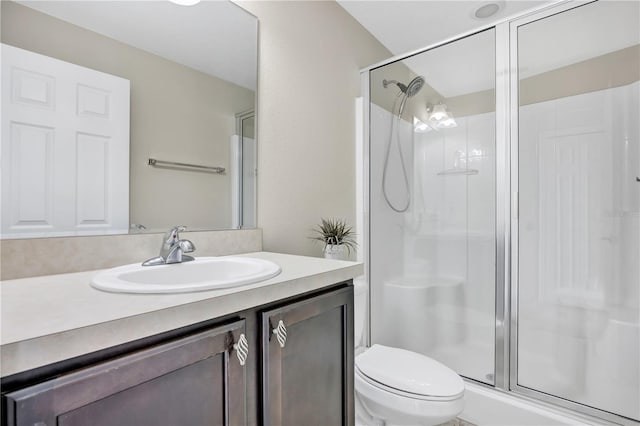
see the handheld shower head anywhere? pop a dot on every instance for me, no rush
(386, 83)
(414, 86)
(410, 89)
(407, 92)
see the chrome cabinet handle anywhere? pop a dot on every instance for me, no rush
(242, 349)
(281, 333)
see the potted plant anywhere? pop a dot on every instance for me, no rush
(338, 238)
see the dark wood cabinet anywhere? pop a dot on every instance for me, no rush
(194, 380)
(194, 376)
(307, 362)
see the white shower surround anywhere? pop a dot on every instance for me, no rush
(438, 270)
(408, 278)
(579, 332)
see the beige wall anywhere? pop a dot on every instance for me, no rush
(613, 69)
(310, 57)
(177, 114)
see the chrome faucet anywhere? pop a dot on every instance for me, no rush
(172, 249)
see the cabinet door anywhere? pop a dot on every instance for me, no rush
(308, 361)
(196, 380)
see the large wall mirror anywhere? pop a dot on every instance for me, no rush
(126, 116)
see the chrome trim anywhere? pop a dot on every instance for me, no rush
(366, 187)
(513, 220)
(501, 370)
(554, 9)
(240, 117)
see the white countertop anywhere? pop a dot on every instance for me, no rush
(52, 318)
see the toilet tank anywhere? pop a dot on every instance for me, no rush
(360, 301)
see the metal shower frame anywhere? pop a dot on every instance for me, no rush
(506, 238)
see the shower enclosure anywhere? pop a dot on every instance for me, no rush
(504, 205)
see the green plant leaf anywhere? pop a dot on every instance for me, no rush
(335, 232)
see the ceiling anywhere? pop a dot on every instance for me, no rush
(403, 26)
(221, 37)
(467, 66)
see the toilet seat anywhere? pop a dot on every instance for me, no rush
(408, 374)
(402, 393)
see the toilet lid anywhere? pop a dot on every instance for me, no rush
(408, 371)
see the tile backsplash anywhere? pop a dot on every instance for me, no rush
(48, 256)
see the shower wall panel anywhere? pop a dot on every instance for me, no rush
(387, 228)
(579, 336)
(452, 242)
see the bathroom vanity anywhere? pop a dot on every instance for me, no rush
(274, 352)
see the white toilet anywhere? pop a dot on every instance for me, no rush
(398, 387)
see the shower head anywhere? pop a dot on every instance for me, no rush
(410, 89)
(414, 86)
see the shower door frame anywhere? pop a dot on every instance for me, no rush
(507, 204)
(574, 407)
(502, 202)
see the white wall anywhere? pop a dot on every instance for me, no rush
(310, 54)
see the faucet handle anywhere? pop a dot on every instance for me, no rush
(172, 248)
(178, 228)
(172, 235)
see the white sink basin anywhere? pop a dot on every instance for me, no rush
(203, 273)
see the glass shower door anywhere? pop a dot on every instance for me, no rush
(432, 204)
(578, 329)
